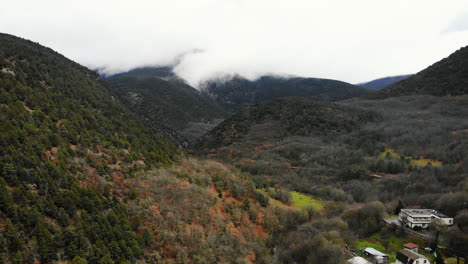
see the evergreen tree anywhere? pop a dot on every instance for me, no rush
(79, 260)
(438, 257)
(398, 208)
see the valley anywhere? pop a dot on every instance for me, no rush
(140, 167)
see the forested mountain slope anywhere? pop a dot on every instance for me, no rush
(239, 92)
(285, 117)
(446, 77)
(84, 180)
(89, 176)
(356, 152)
(65, 142)
(159, 95)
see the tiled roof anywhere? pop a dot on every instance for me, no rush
(410, 245)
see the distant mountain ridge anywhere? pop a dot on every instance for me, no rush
(381, 83)
(446, 77)
(157, 94)
(163, 72)
(239, 92)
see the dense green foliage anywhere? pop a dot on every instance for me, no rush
(446, 77)
(235, 94)
(281, 118)
(157, 94)
(62, 134)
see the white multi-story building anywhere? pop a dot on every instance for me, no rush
(422, 218)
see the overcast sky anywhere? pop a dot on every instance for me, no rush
(353, 41)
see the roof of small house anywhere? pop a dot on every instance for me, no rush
(374, 252)
(409, 254)
(410, 245)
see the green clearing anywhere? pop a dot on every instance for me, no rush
(272, 201)
(424, 162)
(302, 201)
(453, 261)
(389, 151)
(393, 242)
(363, 243)
(390, 216)
(299, 201)
(421, 162)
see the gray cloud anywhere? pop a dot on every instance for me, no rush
(352, 41)
(459, 24)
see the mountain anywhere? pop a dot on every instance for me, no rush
(88, 177)
(381, 83)
(360, 151)
(163, 72)
(446, 77)
(84, 179)
(160, 96)
(300, 144)
(239, 92)
(285, 117)
(67, 143)
(407, 143)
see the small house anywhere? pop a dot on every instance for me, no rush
(407, 256)
(377, 256)
(411, 246)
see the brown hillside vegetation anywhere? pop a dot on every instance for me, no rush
(202, 211)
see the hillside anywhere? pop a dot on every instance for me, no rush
(84, 180)
(90, 173)
(381, 83)
(271, 140)
(446, 77)
(356, 153)
(239, 92)
(66, 144)
(160, 96)
(285, 117)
